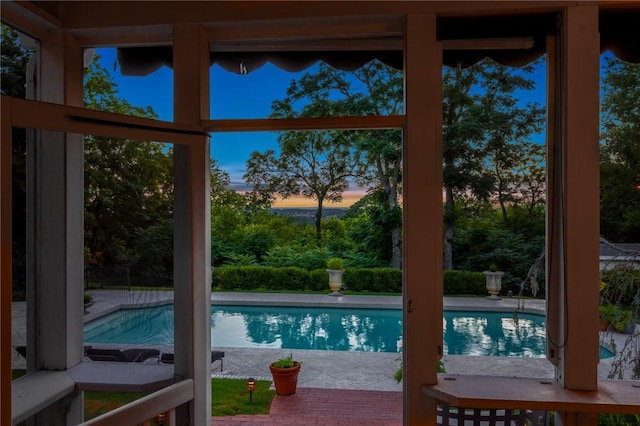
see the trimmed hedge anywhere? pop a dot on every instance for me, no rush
(464, 282)
(383, 280)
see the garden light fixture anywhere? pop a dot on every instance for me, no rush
(251, 385)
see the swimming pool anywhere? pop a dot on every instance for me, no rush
(371, 330)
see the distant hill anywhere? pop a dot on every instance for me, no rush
(308, 215)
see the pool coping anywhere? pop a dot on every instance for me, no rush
(106, 301)
(117, 300)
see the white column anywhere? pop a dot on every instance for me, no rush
(192, 235)
(56, 235)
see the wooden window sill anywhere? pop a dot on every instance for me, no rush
(612, 396)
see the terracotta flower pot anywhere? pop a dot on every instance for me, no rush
(285, 379)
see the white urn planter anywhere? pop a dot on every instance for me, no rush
(494, 284)
(335, 281)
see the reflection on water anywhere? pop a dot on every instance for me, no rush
(467, 333)
(307, 328)
(494, 334)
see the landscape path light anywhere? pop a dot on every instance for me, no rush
(251, 386)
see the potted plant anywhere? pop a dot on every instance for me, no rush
(494, 281)
(623, 322)
(335, 269)
(607, 314)
(285, 375)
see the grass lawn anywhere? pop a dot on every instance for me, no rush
(98, 402)
(228, 397)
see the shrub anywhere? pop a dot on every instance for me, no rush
(387, 280)
(289, 278)
(335, 263)
(318, 280)
(382, 280)
(359, 279)
(239, 277)
(464, 282)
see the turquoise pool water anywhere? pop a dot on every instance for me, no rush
(371, 330)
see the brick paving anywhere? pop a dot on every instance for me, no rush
(326, 407)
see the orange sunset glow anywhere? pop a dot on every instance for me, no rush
(348, 198)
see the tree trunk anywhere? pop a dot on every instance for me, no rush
(396, 232)
(503, 207)
(319, 223)
(396, 249)
(448, 229)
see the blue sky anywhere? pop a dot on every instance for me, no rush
(232, 96)
(238, 96)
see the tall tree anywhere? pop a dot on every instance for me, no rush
(373, 89)
(620, 152)
(530, 179)
(128, 184)
(483, 125)
(509, 125)
(316, 165)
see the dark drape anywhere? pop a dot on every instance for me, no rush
(619, 33)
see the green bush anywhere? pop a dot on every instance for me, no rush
(621, 285)
(291, 278)
(387, 280)
(359, 279)
(335, 263)
(318, 280)
(464, 282)
(239, 277)
(382, 280)
(618, 420)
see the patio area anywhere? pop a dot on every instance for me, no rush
(327, 407)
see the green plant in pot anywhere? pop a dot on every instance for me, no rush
(285, 375)
(623, 320)
(607, 314)
(335, 269)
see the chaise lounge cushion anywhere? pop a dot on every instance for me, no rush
(129, 355)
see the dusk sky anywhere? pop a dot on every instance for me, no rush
(241, 96)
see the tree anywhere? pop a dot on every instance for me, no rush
(316, 165)
(509, 125)
(482, 125)
(530, 179)
(128, 184)
(14, 63)
(620, 152)
(368, 227)
(13, 83)
(373, 89)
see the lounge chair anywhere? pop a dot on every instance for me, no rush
(22, 350)
(167, 358)
(129, 355)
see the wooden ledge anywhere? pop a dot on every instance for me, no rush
(612, 396)
(33, 392)
(122, 376)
